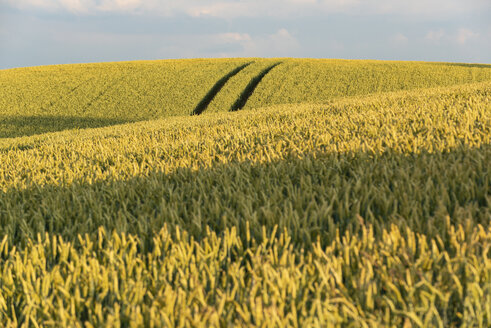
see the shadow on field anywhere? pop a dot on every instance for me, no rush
(249, 89)
(466, 65)
(208, 98)
(311, 196)
(19, 126)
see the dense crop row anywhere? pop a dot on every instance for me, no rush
(318, 81)
(366, 211)
(53, 98)
(401, 280)
(408, 159)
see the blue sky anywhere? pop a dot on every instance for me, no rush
(42, 32)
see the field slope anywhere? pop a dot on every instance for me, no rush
(342, 193)
(54, 98)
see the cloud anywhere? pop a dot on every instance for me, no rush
(278, 44)
(287, 8)
(120, 5)
(435, 35)
(78, 6)
(32, 4)
(400, 39)
(259, 8)
(272, 8)
(461, 36)
(234, 37)
(283, 40)
(464, 35)
(73, 5)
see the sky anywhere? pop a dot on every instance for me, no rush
(45, 32)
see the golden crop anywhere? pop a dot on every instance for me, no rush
(348, 193)
(404, 279)
(54, 98)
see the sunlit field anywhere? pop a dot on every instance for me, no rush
(249, 192)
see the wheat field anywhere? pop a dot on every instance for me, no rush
(246, 192)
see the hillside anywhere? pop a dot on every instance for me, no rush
(54, 98)
(342, 193)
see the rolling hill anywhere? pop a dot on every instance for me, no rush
(249, 192)
(54, 98)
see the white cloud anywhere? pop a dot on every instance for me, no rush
(32, 4)
(74, 5)
(282, 39)
(461, 36)
(120, 5)
(435, 35)
(278, 44)
(400, 39)
(234, 37)
(78, 6)
(464, 35)
(253, 8)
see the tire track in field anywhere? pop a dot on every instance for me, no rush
(249, 89)
(208, 98)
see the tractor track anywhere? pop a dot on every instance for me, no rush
(208, 98)
(249, 89)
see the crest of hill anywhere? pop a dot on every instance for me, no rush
(53, 98)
